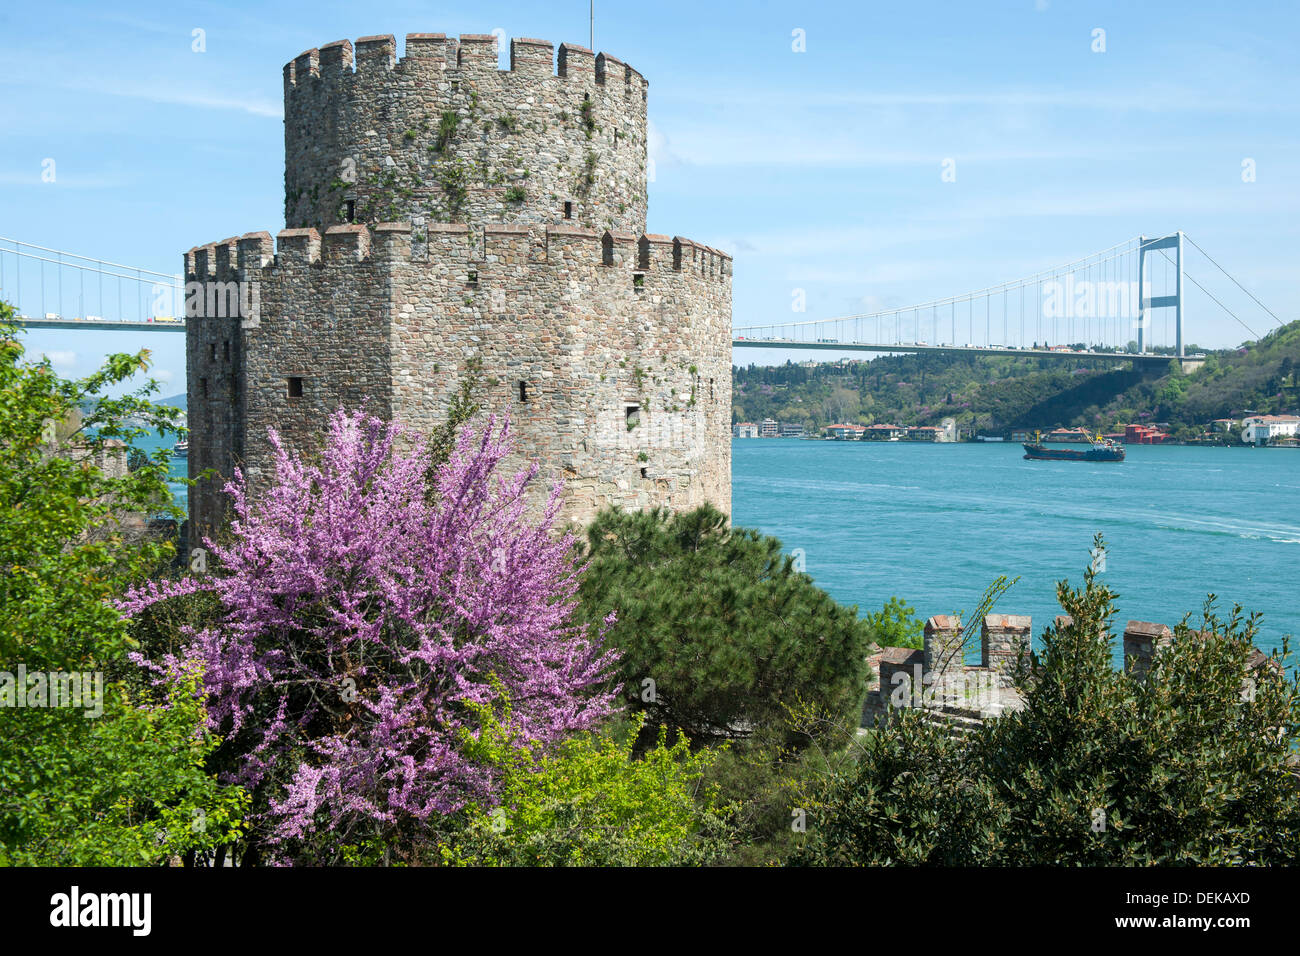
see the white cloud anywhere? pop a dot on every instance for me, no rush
(60, 359)
(63, 180)
(201, 99)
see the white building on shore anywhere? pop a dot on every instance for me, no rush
(1261, 429)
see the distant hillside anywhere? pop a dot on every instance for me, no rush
(999, 394)
(180, 401)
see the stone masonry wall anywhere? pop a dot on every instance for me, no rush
(443, 135)
(580, 336)
(608, 349)
(591, 327)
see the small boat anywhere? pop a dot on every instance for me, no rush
(181, 449)
(1102, 449)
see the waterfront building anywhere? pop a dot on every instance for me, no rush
(845, 432)
(745, 430)
(1145, 435)
(1263, 429)
(883, 432)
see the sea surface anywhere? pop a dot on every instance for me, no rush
(935, 523)
(179, 466)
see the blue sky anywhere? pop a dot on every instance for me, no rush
(818, 170)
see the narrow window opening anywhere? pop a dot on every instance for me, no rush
(632, 414)
(638, 282)
(350, 210)
(212, 351)
(203, 387)
(643, 473)
(295, 387)
(523, 391)
(568, 210)
(710, 389)
(607, 249)
(225, 350)
(472, 278)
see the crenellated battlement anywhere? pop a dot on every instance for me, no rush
(436, 52)
(937, 678)
(441, 134)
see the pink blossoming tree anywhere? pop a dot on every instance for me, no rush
(369, 603)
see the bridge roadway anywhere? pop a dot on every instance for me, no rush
(915, 348)
(747, 343)
(99, 324)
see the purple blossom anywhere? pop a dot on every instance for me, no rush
(361, 623)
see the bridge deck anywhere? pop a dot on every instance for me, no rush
(950, 349)
(99, 325)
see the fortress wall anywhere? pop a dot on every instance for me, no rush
(320, 313)
(364, 126)
(586, 340)
(215, 377)
(584, 326)
(359, 318)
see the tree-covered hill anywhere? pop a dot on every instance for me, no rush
(1001, 393)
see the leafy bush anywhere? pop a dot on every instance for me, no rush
(1189, 766)
(126, 785)
(896, 625)
(591, 802)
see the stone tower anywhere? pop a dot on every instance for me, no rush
(441, 211)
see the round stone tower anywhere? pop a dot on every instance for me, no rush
(447, 218)
(444, 136)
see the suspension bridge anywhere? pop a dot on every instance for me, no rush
(71, 291)
(1123, 304)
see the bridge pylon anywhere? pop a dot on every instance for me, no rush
(1174, 301)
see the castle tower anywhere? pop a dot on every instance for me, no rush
(442, 212)
(444, 136)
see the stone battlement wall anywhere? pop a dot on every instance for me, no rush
(609, 353)
(443, 135)
(232, 259)
(937, 678)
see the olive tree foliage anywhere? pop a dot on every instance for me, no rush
(1191, 764)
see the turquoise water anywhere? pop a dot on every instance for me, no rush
(179, 466)
(935, 524)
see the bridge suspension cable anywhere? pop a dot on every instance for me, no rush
(1236, 283)
(1116, 285)
(157, 286)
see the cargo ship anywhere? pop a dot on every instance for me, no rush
(1102, 449)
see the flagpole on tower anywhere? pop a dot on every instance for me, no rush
(591, 23)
